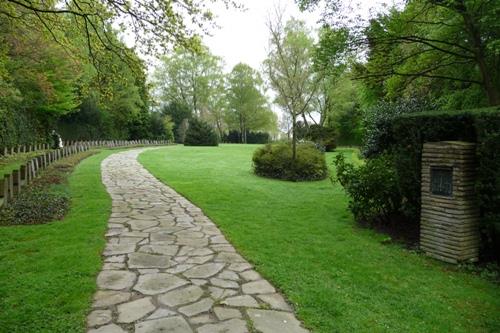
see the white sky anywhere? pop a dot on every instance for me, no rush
(243, 35)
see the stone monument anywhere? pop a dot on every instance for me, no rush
(449, 216)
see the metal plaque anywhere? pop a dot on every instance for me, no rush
(442, 181)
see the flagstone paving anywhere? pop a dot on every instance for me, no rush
(168, 268)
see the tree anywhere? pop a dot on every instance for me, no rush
(248, 107)
(155, 24)
(187, 77)
(179, 114)
(442, 45)
(290, 69)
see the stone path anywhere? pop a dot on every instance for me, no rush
(168, 268)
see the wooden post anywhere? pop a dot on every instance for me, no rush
(4, 190)
(24, 175)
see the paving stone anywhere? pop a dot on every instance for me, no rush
(200, 252)
(113, 265)
(199, 282)
(112, 328)
(224, 283)
(241, 301)
(240, 267)
(250, 275)
(199, 260)
(228, 275)
(224, 313)
(270, 321)
(116, 259)
(275, 301)
(229, 257)
(146, 260)
(135, 310)
(181, 296)
(152, 284)
(169, 250)
(142, 224)
(162, 313)
(258, 287)
(219, 293)
(218, 240)
(179, 268)
(204, 271)
(175, 324)
(230, 326)
(114, 249)
(196, 308)
(105, 298)
(99, 318)
(193, 242)
(115, 280)
(201, 319)
(162, 237)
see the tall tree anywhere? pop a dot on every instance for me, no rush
(290, 69)
(450, 45)
(248, 107)
(155, 24)
(188, 78)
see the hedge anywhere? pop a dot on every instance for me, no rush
(406, 136)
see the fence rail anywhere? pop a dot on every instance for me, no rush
(12, 183)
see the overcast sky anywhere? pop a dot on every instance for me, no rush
(243, 35)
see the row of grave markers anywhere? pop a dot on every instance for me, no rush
(12, 183)
(4, 151)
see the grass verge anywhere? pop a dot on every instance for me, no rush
(341, 278)
(47, 272)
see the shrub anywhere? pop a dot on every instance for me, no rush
(378, 119)
(200, 133)
(252, 137)
(35, 206)
(372, 187)
(275, 161)
(325, 137)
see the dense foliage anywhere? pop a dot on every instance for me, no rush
(234, 136)
(372, 187)
(200, 133)
(397, 159)
(275, 160)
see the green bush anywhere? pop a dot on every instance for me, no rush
(378, 120)
(372, 187)
(35, 206)
(404, 141)
(325, 137)
(274, 160)
(200, 133)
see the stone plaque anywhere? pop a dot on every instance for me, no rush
(449, 217)
(442, 180)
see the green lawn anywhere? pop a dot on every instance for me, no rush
(13, 162)
(47, 272)
(301, 236)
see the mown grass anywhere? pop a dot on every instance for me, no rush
(340, 277)
(47, 272)
(13, 162)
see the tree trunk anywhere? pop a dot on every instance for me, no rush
(294, 137)
(477, 44)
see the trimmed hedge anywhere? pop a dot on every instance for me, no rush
(252, 137)
(200, 133)
(406, 136)
(274, 160)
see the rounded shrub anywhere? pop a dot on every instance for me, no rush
(274, 160)
(200, 133)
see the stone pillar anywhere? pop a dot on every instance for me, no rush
(449, 216)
